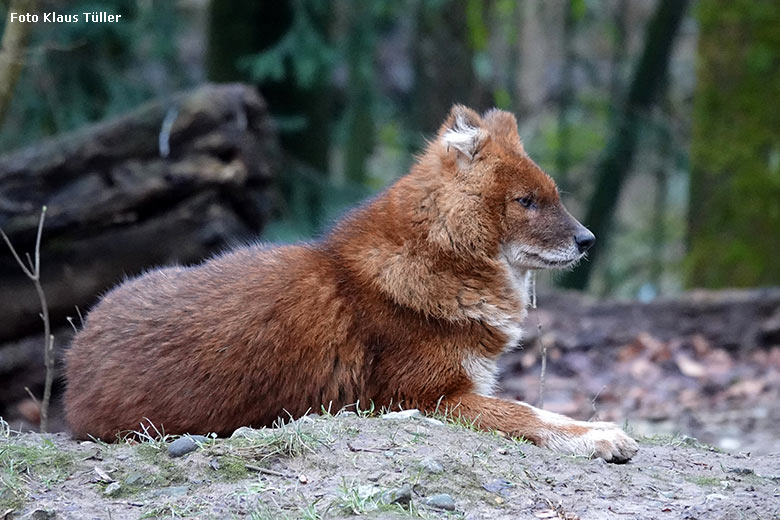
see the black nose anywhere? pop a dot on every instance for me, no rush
(584, 240)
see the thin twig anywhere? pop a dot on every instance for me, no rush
(543, 349)
(34, 274)
(542, 346)
(81, 317)
(267, 471)
(72, 324)
(593, 403)
(32, 395)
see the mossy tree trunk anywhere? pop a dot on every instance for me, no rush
(12, 51)
(734, 225)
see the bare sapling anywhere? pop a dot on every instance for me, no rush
(33, 271)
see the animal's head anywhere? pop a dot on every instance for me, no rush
(494, 197)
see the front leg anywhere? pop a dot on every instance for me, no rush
(547, 429)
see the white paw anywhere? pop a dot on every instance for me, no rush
(599, 440)
(609, 442)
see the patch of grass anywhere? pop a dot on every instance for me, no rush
(354, 499)
(232, 468)
(162, 472)
(291, 439)
(173, 511)
(23, 463)
(309, 512)
(453, 418)
(357, 500)
(272, 511)
(703, 481)
(266, 512)
(677, 440)
(149, 435)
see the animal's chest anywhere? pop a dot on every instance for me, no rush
(479, 361)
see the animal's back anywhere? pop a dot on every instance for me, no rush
(209, 348)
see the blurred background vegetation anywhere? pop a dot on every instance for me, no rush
(657, 118)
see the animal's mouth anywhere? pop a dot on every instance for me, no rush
(522, 257)
(554, 263)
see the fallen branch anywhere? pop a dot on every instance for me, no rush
(33, 272)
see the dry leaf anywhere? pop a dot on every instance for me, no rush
(746, 388)
(688, 366)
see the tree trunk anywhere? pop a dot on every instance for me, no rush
(563, 155)
(443, 61)
(239, 29)
(360, 89)
(734, 224)
(613, 169)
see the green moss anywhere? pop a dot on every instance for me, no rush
(703, 481)
(232, 468)
(160, 472)
(677, 440)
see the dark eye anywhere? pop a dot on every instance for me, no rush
(526, 202)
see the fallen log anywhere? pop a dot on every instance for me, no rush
(172, 181)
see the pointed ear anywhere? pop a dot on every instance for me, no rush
(463, 131)
(503, 127)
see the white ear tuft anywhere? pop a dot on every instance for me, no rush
(464, 137)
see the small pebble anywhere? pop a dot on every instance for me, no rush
(42, 514)
(134, 478)
(112, 489)
(431, 466)
(376, 477)
(442, 501)
(245, 432)
(402, 495)
(498, 486)
(404, 414)
(184, 445)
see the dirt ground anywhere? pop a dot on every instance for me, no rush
(375, 467)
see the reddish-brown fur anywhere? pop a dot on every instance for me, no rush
(393, 306)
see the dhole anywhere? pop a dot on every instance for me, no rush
(408, 302)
